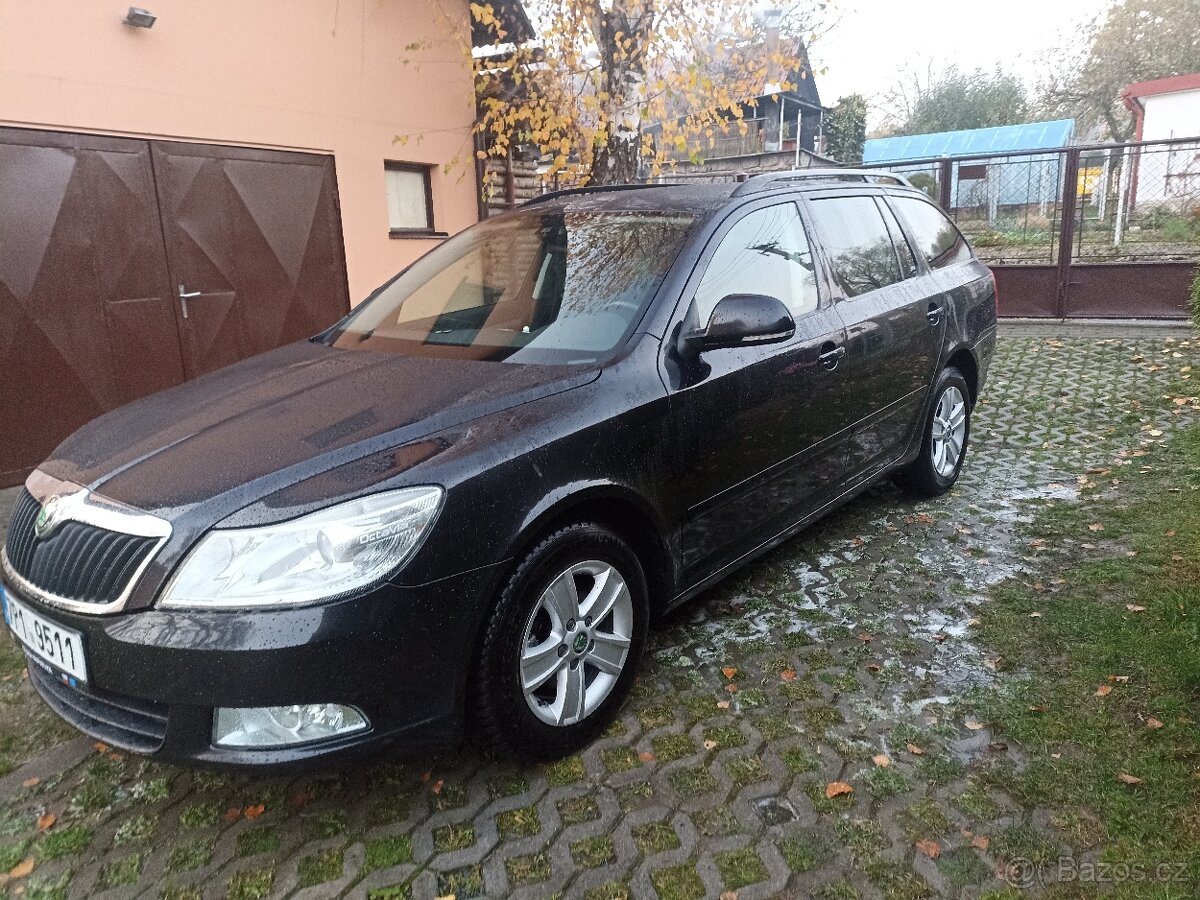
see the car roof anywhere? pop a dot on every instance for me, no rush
(705, 197)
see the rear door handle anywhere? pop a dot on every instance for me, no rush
(831, 354)
(935, 314)
(184, 296)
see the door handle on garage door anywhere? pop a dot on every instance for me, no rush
(831, 354)
(185, 295)
(935, 314)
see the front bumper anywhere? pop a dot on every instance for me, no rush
(399, 654)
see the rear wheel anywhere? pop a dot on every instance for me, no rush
(944, 439)
(562, 646)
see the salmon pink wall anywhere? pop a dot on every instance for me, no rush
(331, 76)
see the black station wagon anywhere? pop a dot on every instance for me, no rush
(467, 501)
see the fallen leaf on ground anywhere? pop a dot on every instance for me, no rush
(1129, 779)
(975, 726)
(233, 814)
(46, 822)
(940, 638)
(732, 688)
(1104, 690)
(1133, 607)
(729, 895)
(837, 789)
(255, 810)
(729, 672)
(1153, 723)
(788, 674)
(23, 868)
(1119, 679)
(1035, 615)
(710, 745)
(930, 848)
(998, 747)
(1037, 709)
(982, 842)
(1095, 526)
(881, 760)
(31, 782)
(866, 638)
(101, 747)
(914, 749)
(646, 756)
(437, 785)
(722, 704)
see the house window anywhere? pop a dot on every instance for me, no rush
(409, 199)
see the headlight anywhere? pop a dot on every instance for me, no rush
(315, 557)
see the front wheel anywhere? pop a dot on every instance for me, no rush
(562, 646)
(944, 439)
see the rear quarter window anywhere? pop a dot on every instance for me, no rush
(936, 237)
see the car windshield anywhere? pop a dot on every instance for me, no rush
(540, 286)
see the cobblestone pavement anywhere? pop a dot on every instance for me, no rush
(846, 656)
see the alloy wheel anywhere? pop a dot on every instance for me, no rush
(576, 643)
(949, 431)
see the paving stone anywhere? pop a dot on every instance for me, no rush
(850, 641)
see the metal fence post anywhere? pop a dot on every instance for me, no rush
(1066, 223)
(945, 175)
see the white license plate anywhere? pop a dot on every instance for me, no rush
(61, 647)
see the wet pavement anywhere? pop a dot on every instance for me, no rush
(844, 657)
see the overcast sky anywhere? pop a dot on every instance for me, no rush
(873, 39)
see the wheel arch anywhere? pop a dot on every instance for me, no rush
(964, 360)
(619, 508)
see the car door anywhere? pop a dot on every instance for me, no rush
(756, 429)
(893, 330)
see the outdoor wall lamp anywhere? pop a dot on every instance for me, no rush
(140, 18)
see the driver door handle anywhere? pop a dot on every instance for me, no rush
(831, 354)
(935, 314)
(184, 296)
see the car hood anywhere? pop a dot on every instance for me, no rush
(278, 418)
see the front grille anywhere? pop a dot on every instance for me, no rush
(139, 726)
(76, 561)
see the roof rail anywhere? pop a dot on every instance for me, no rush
(769, 180)
(591, 189)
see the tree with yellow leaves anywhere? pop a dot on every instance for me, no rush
(615, 89)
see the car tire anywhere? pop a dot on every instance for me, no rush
(575, 613)
(947, 426)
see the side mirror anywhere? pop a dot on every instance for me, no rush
(743, 320)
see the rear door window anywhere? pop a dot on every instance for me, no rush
(908, 262)
(766, 252)
(936, 236)
(856, 238)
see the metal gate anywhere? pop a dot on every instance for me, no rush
(102, 235)
(1107, 230)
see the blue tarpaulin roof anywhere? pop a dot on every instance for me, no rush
(1034, 136)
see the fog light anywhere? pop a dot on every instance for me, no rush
(279, 726)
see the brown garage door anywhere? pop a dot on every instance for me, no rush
(101, 235)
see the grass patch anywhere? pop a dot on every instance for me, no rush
(464, 882)
(518, 823)
(673, 746)
(566, 771)
(528, 869)
(453, 794)
(122, 872)
(884, 781)
(594, 851)
(254, 884)
(655, 837)
(384, 852)
(718, 821)
(745, 770)
(391, 892)
(449, 838)
(1133, 616)
(136, 830)
(257, 840)
(320, 867)
(678, 883)
(388, 809)
(923, 821)
(201, 815)
(620, 759)
(635, 794)
(656, 717)
(190, 855)
(802, 853)
(692, 781)
(63, 842)
(739, 868)
(724, 736)
(574, 810)
(613, 890)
